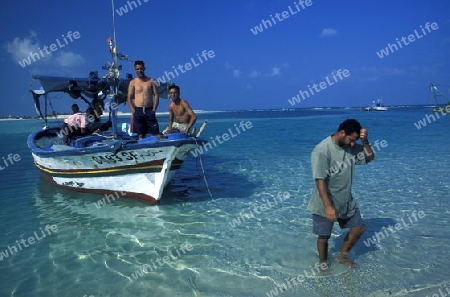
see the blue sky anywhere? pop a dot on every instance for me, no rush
(248, 71)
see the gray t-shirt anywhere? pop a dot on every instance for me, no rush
(335, 165)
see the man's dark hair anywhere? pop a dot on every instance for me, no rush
(350, 126)
(75, 108)
(174, 87)
(139, 62)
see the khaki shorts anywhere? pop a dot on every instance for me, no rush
(177, 126)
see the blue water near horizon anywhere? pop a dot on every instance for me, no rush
(95, 251)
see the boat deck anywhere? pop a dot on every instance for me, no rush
(50, 140)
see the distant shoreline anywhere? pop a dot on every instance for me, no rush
(63, 116)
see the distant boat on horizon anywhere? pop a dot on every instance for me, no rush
(376, 106)
(437, 93)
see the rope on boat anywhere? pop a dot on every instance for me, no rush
(53, 111)
(203, 169)
(204, 176)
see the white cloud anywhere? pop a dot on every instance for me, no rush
(327, 32)
(29, 46)
(65, 59)
(21, 48)
(275, 71)
(255, 73)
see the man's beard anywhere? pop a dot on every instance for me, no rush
(342, 143)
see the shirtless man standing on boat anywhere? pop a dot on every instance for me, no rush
(184, 115)
(146, 99)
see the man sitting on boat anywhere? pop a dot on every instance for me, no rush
(146, 99)
(184, 115)
(93, 123)
(74, 125)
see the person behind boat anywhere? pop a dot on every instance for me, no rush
(146, 99)
(333, 165)
(74, 125)
(180, 109)
(93, 123)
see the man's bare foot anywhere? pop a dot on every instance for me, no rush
(344, 259)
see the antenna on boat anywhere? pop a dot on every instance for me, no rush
(113, 73)
(115, 39)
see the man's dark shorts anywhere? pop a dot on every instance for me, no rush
(323, 227)
(144, 121)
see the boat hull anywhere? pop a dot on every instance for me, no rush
(442, 109)
(116, 168)
(376, 108)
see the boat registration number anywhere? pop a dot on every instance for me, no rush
(122, 157)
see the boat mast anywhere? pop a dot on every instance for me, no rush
(114, 80)
(116, 67)
(435, 92)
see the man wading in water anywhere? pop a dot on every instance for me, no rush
(333, 165)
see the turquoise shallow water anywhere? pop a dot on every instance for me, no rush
(96, 251)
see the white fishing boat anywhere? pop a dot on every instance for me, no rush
(376, 106)
(112, 161)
